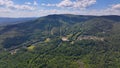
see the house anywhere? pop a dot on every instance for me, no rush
(65, 39)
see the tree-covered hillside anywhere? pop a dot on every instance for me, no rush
(62, 41)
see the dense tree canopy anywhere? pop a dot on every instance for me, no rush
(90, 42)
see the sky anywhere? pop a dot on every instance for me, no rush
(38, 8)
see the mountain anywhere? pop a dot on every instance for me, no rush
(62, 41)
(9, 21)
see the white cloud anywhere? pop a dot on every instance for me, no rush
(6, 3)
(111, 10)
(117, 6)
(17, 13)
(28, 3)
(4, 10)
(65, 3)
(20, 10)
(11, 4)
(44, 12)
(49, 5)
(77, 4)
(23, 7)
(35, 3)
(83, 3)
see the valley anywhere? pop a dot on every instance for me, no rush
(61, 41)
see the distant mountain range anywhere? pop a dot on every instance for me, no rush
(55, 25)
(10, 21)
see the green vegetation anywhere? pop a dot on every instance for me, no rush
(39, 44)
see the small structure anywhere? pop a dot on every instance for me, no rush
(65, 39)
(12, 52)
(90, 38)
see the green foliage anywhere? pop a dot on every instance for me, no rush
(49, 51)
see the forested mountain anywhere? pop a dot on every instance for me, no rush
(62, 41)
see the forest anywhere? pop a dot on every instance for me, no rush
(62, 41)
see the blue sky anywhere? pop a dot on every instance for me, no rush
(38, 8)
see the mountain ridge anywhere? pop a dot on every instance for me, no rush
(64, 41)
